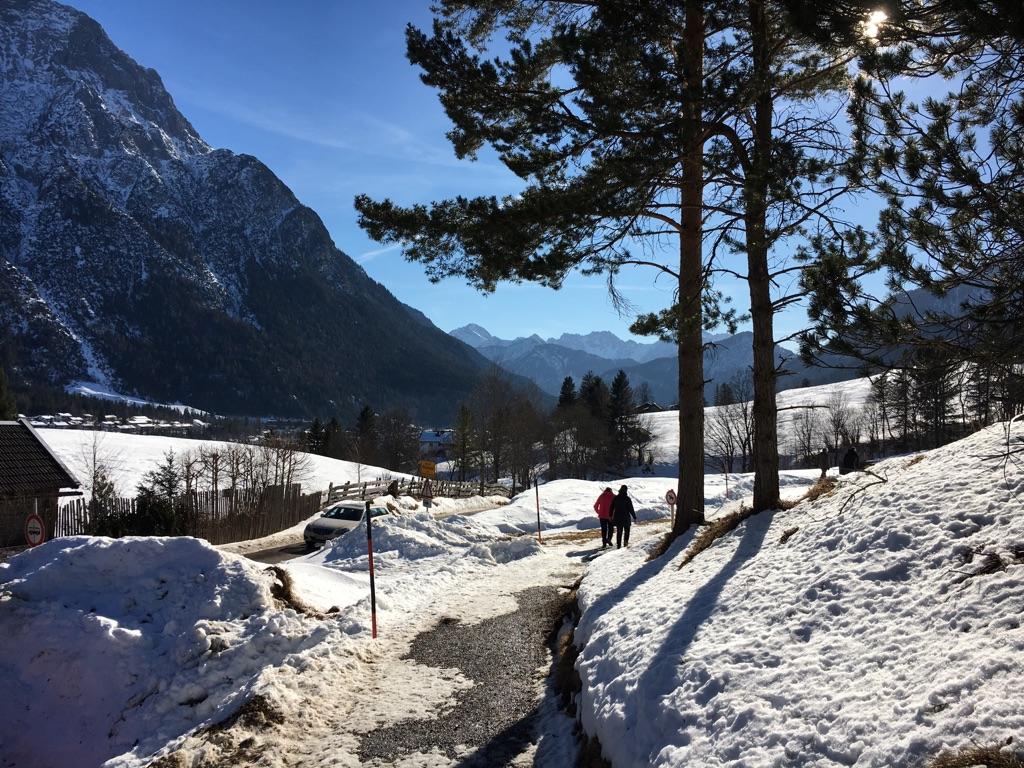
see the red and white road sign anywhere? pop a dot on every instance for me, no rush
(35, 531)
(670, 498)
(428, 489)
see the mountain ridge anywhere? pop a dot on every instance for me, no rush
(137, 255)
(548, 362)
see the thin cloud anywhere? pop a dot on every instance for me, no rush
(358, 133)
(368, 256)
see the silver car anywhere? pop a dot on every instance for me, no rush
(336, 520)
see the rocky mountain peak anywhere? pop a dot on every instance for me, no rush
(142, 259)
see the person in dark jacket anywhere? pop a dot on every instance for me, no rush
(623, 515)
(851, 461)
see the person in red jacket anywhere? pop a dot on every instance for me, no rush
(603, 507)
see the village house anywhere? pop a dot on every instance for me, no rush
(435, 444)
(32, 479)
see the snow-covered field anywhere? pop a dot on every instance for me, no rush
(865, 639)
(132, 456)
(665, 425)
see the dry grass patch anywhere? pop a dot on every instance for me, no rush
(823, 487)
(990, 757)
(283, 590)
(916, 460)
(715, 530)
(256, 713)
(661, 547)
(587, 535)
(787, 534)
(566, 678)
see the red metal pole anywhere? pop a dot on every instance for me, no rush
(536, 490)
(373, 588)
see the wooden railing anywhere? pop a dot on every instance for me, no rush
(411, 487)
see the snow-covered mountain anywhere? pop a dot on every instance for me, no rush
(547, 363)
(602, 344)
(135, 255)
(476, 336)
(607, 345)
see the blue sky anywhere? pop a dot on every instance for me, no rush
(321, 92)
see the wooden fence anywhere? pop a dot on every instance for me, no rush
(411, 487)
(220, 518)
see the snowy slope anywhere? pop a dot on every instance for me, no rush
(665, 425)
(132, 456)
(863, 640)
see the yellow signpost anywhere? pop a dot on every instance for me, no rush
(428, 469)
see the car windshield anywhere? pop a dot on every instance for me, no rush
(344, 513)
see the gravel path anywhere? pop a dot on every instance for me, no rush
(506, 657)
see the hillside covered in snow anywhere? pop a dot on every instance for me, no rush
(879, 625)
(130, 457)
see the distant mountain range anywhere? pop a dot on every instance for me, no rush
(548, 362)
(135, 256)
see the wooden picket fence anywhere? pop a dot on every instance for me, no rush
(411, 487)
(220, 518)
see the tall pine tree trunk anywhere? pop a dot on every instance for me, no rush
(690, 501)
(766, 439)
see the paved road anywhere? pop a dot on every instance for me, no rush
(496, 717)
(279, 554)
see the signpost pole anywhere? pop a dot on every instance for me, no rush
(428, 494)
(536, 491)
(373, 587)
(670, 499)
(35, 528)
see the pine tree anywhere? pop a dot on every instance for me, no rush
(932, 387)
(621, 418)
(615, 156)
(364, 448)
(950, 171)
(164, 480)
(724, 394)
(315, 437)
(567, 394)
(464, 440)
(336, 443)
(594, 396)
(7, 408)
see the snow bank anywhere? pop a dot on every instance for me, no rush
(127, 644)
(415, 556)
(859, 641)
(569, 504)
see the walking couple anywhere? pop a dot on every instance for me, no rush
(615, 510)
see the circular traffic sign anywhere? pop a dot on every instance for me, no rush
(670, 498)
(35, 531)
